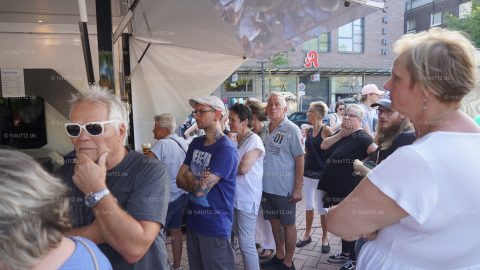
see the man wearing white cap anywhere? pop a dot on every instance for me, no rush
(370, 95)
(208, 174)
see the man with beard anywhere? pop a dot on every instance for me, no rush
(208, 173)
(393, 131)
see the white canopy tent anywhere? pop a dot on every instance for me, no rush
(197, 44)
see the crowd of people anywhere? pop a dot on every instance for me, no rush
(394, 177)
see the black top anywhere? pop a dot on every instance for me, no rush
(402, 139)
(314, 156)
(338, 179)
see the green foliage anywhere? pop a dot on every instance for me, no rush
(238, 86)
(469, 25)
(279, 60)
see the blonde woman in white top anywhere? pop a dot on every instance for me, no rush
(421, 204)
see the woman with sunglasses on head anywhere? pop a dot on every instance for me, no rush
(421, 205)
(248, 192)
(33, 215)
(335, 119)
(314, 164)
(338, 179)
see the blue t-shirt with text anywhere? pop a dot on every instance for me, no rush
(212, 215)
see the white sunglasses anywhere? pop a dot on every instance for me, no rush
(92, 128)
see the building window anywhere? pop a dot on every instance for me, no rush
(464, 9)
(436, 19)
(320, 44)
(411, 24)
(350, 37)
(324, 42)
(411, 4)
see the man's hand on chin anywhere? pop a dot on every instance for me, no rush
(90, 176)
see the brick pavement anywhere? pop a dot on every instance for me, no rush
(306, 258)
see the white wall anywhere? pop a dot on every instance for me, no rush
(49, 46)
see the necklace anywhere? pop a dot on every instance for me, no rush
(249, 133)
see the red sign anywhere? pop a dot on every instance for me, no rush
(311, 59)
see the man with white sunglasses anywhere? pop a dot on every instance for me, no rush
(119, 197)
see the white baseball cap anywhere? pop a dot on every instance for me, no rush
(213, 101)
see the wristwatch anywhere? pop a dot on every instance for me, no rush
(93, 198)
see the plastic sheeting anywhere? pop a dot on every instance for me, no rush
(250, 28)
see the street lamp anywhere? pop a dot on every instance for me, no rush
(262, 63)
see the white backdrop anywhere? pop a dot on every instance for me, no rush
(170, 75)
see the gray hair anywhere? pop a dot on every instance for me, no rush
(278, 94)
(34, 211)
(166, 120)
(357, 110)
(103, 96)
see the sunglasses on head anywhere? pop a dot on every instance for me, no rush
(92, 128)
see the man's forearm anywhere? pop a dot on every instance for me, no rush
(120, 230)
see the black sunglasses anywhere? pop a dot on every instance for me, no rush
(92, 128)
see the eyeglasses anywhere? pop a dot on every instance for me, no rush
(386, 112)
(92, 128)
(201, 112)
(349, 115)
(341, 109)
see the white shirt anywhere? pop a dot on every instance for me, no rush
(249, 188)
(171, 151)
(436, 181)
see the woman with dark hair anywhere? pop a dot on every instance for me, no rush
(263, 232)
(335, 119)
(249, 185)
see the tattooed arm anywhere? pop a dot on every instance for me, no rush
(207, 181)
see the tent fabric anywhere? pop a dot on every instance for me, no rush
(250, 28)
(167, 77)
(197, 44)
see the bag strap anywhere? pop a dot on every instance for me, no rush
(178, 144)
(310, 132)
(89, 249)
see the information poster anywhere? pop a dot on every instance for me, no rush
(13, 84)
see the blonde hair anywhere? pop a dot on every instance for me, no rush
(320, 108)
(33, 212)
(442, 61)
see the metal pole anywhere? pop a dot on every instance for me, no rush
(263, 83)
